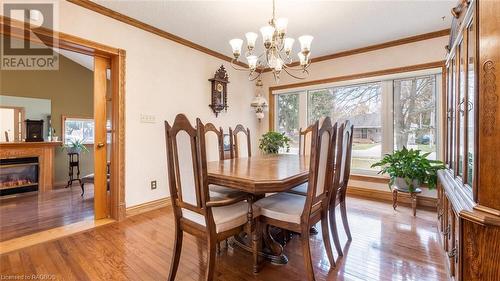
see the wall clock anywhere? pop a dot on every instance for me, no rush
(219, 91)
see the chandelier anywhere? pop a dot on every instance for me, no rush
(278, 54)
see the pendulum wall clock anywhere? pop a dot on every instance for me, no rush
(219, 91)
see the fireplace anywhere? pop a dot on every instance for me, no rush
(18, 175)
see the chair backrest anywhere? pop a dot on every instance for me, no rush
(305, 141)
(214, 141)
(323, 142)
(343, 158)
(240, 136)
(186, 164)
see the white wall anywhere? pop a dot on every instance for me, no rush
(163, 78)
(34, 109)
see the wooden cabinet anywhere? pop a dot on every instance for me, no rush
(468, 190)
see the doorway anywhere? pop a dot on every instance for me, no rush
(108, 115)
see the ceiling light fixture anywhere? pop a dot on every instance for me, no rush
(278, 51)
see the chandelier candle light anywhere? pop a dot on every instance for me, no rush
(278, 51)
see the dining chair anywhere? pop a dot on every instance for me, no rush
(340, 182)
(298, 213)
(194, 211)
(305, 141)
(238, 145)
(217, 191)
(304, 149)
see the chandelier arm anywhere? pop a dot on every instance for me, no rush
(233, 65)
(250, 78)
(274, 9)
(285, 61)
(295, 76)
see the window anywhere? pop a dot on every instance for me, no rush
(287, 107)
(359, 103)
(415, 114)
(78, 129)
(387, 114)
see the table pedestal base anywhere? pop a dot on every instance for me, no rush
(272, 250)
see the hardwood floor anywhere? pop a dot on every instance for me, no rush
(387, 245)
(32, 212)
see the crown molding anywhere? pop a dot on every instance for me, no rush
(169, 36)
(393, 43)
(87, 4)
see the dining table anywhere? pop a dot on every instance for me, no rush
(257, 176)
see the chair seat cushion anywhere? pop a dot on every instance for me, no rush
(225, 218)
(283, 206)
(300, 189)
(221, 192)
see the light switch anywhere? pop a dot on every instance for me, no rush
(148, 118)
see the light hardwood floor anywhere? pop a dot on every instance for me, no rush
(27, 213)
(387, 245)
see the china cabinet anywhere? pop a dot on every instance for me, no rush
(468, 190)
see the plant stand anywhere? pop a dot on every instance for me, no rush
(413, 198)
(74, 163)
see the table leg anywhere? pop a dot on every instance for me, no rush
(413, 197)
(394, 198)
(258, 235)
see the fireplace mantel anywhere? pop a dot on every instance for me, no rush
(43, 150)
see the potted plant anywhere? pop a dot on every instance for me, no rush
(408, 169)
(271, 142)
(75, 146)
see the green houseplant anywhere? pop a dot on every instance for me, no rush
(271, 142)
(75, 146)
(409, 168)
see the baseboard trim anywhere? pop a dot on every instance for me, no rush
(403, 198)
(148, 206)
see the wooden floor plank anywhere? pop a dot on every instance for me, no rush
(32, 212)
(387, 245)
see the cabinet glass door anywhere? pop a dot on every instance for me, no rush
(449, 110)
(451, 102)
(461, 108)
(471, 110)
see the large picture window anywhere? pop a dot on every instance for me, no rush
(289, 118)
(415, 114)
(387, 114)
(361, 104)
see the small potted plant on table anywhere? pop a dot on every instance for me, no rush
(408, 169)
(271, 142)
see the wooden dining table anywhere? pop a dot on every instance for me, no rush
(258, 175)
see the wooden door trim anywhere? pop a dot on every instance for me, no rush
(410, 68)
(17, 109)
(16, 29)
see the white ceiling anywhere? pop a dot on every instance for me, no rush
(335, 25)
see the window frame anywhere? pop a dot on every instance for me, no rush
(76, 118)
(387, 82)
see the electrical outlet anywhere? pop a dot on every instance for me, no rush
(153, 185)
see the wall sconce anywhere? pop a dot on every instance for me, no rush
(259, 102)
